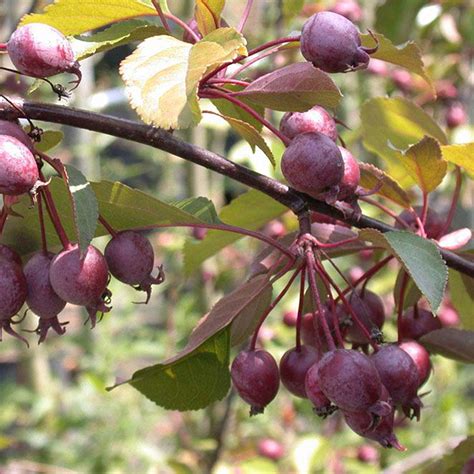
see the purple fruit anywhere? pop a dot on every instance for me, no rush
(39, 50)
(13, 129)
(8, 253)
(351, 381)
(434, 224)
(312, 164)
(131, 258)
(416, 322)
(321, 404)
(81, 281)
(400, 376)
(256, 378)
(456, 115)
(290, 318)
(332, 43)
(350, 181)
(41, 297)
(421, 358)
(316, 119)
(293, 367)
(18, 168)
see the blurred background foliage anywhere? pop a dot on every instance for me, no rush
(55, 415)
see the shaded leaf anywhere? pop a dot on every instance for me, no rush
(117, 35)
(424, 164)
(461, 155)
(461, 288)
(191, 381)
(412, 292)
(407, 55)
(419, 257)
(163, 74)
(296, 87)
(371, 176)
(207, 14)
(251, 211)
(251, 135)
(457, 344)
(73, 17)
(49, 139)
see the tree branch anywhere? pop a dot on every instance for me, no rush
(163, 140)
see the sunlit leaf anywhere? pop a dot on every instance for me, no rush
(461, 155)
(207, 14)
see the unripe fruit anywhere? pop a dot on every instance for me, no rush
(270, 449)
(18, 168)
(131, 258)
(13, 129)
(350, 380)
(417, 322)
(316, 119)
(312, 164)
(322, 406)
(256, 378)
(420, 357)
(332, 43)
(41, 297)
(433, 226)
(39, 50)
(400, 376)
(369, 308)
(12, 289)
(8, 253)
(351, 178)
(293, 367)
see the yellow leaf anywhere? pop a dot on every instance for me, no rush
(461, 155)
(425, 165)
(73, 17)
(207, 14)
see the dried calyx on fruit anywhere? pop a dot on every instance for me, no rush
(41, 298)
(131, 258)
(416, 322)
(322, 406)
(39, 50)
(81, 279)
(316, 119)
(256, 378)
(332, 43)
(312, 164)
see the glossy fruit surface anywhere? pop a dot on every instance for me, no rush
(312, 163)
(351, 178)
(293, 367)
(420, 357)
(18, 168)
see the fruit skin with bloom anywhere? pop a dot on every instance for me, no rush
(332, 43)
(39, 50)
(14, 129)
(351, 178)
(13, 289)
(416, 322)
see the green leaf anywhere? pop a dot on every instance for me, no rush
(163, 74)
(371, 176)
(199, 207)
(407, 55)
(251, 211)
(296, 87)
(461, 155)
(251, 135)
(461, 288)
(390, 125)
(117, 35)
(188, 381)
(73, 17)
(452, 343)
(208, 14)
(419, 257)
(424, 164)
(84, 205)
(49, 139)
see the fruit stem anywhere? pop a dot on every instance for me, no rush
(254, 60)
(385, 209)
(354, 316)
(401, 299)
(245, 16)
(53, 214)
(262, 319)
(161, 15)
(321, 318)
(299, 316)
(44, 242)
(107, 226)
(454, 202)
(337, 244)
(213, 92)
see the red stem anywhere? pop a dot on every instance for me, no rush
(245, 16)
(385, 209)
(3, 219)
(253, 61)
(424, 210)
(337, 244)
(454, 202)
(299, 317)
(227, 80)
(44, 241)
(401, 300)
(162, 16)
(264, 316)
(214, 94)
(107, 226)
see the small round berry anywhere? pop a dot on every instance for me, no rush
(421, 358)
(416, 322)
(13, 129)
